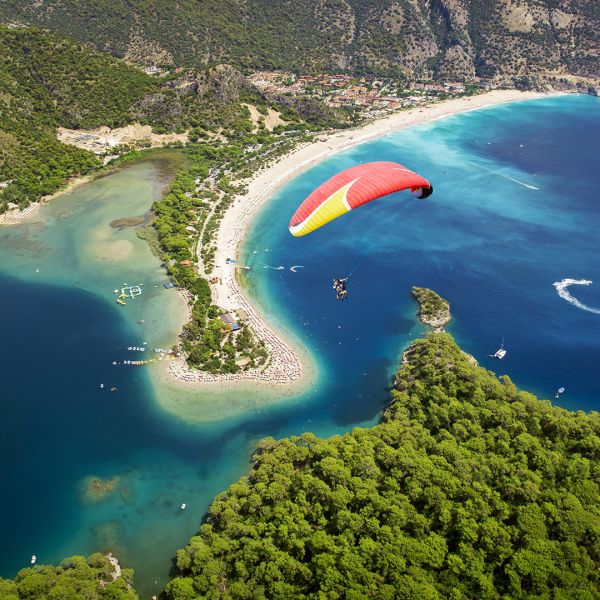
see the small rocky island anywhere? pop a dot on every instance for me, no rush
(433, 309)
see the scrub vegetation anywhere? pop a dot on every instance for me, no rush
(433, 309)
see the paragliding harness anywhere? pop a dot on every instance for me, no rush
(339, 285)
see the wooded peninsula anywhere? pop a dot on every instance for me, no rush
(468, 488)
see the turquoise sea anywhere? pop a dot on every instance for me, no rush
(515, 209)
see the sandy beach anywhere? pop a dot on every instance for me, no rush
(14, 216)
(289, 364)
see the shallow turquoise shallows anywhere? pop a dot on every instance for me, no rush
(515, 209)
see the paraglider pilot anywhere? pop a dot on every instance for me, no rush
(339, 285)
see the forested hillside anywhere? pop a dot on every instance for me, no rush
(498, 40)
(467, 489)
(47, 81)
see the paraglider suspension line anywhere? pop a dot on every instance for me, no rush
(360, 254)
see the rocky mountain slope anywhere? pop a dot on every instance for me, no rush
(498, 41)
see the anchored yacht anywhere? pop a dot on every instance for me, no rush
(501, 352)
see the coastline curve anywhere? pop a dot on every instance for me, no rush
(292, 370)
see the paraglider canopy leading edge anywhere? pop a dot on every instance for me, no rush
(353, 188)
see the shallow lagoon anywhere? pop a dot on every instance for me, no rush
(62, 330)
(488, 243)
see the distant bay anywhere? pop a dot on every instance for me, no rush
(514, 210)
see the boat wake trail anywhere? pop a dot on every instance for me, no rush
(279, 268)
(527, 185)
(295, 268)
(562, 287)
(523, 183)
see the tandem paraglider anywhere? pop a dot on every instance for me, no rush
(339, 285)
(350, 189)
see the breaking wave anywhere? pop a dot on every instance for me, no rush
(562, 287)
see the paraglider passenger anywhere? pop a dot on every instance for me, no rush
(339, 285)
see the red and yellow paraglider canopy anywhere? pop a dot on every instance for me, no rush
(352, 188)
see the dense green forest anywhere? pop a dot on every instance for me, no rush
(76, 578)
(48, 81)
(500, 40)
(469, 488)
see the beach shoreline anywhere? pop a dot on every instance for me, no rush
(291, 365)
(199, 396)
(15, 216)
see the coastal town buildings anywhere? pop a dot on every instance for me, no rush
(365, 97)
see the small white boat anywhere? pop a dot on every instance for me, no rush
(559, 391)
(33, 559)
(501, 352)
(183, 506)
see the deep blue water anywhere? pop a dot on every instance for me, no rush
(515, 209)
(492, 246)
